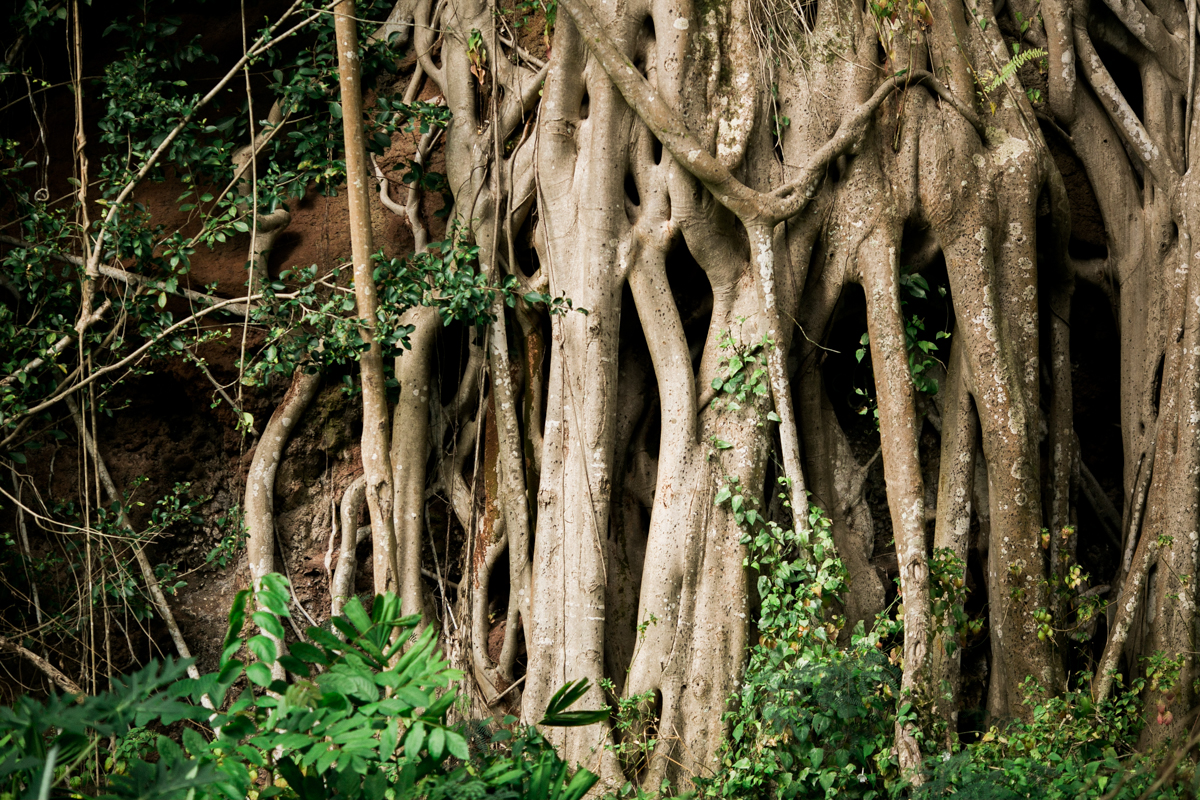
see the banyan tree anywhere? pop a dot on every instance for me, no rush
(925, 266)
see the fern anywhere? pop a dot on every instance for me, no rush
(1018, 61)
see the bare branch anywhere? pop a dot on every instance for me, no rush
(52, 672)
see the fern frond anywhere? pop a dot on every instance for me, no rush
(1019, 60)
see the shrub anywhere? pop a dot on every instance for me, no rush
(1070, 748)
(812, 720)
(359, 719)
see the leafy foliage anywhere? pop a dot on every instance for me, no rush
(146, 92)
(1072, 747)
(947, 593)
(811, 719)
(922, 351)
(38, 737)
(744, 371)
(362, 717)
(1020, 58)
(314, 325)
(633, 729)
(815, 720)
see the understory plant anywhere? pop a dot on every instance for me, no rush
(359, 717)
(813, 719)
(1071, 747)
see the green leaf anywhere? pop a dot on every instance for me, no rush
(269, 623)
(336, 110)
(273, 594)
(437, 743)
(294, 665)
(414, 739)
(237, 618)
(389, 737)
(457, 745)
(325, 638)
(308, 654)
(556, 711)
(259, 673)
(580, 784)
(412, 696)
(345, 679)
(263, 648)
(357, 615)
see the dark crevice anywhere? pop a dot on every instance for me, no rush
(631, 190)
(693, 297)
(1096, 394)
(1156, 395)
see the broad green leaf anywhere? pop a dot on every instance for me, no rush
(437, 743)
(457, 745)
(263, 648)
(259, 674)
(269, 623)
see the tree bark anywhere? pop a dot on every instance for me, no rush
(376, 445)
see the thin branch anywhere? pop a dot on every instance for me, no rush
(130, 278)
(199, 363)
(23, 537)
(60, 345)
(136, 354)
(157, 598)
(52, 672)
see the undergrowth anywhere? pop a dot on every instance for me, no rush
(358, 719)
(815, 720)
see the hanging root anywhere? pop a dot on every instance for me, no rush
(260, 482)
(953, 525)
(341, 588)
